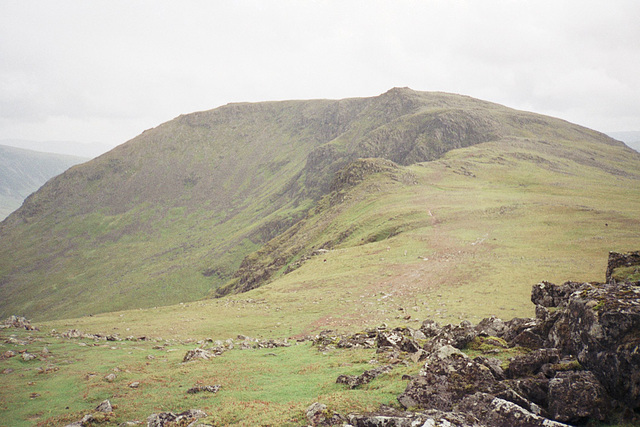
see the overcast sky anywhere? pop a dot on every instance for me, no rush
(104, 71)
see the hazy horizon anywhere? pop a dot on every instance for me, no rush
(104, 72)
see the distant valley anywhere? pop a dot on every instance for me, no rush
(631, 138)
(24, 171)
(69, 148)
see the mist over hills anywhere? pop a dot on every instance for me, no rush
(69, 148)
(231, 199)
(631, 138)
(23, 171)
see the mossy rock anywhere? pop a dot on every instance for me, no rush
(572, 365)
(485, 344)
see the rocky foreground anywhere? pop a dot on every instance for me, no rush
(577, 362)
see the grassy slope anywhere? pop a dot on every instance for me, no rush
(159, 219)
(171, 214)
(461, 237)
(469, 246)
(259, 386)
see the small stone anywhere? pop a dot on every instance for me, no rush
(104, 406)
(47, 369)
(200, 353)
(201, 388)
(28, 356)
(183, 418)
(354, 381)
(134, 384)
(87, 419)
(316, 413)
(9, 353)
(110, 378)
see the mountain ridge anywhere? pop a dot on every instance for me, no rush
(173, 214)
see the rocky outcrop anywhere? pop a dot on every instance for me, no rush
(354, 381)
(576, 362)
(586, 366)
(201, 353)
(600, 325)
(208, 388)
(103, 413)
(170, 419)
(578, 397)
(17, 322)
(447, 376)
(319, 415)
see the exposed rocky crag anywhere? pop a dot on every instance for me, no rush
(577, 362)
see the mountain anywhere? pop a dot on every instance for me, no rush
(631, 138)
(409, 193)
(70, 148)
(23, 171)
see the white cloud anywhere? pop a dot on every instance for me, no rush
(106, 70)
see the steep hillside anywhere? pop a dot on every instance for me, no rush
(23, 171)
(185, 208)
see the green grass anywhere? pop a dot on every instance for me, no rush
(461, 240)
(630, 274)
(259, 386)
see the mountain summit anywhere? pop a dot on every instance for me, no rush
(227, 200)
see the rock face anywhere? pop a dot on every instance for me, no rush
(577, 396)
(600, 325)
(588, 363)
